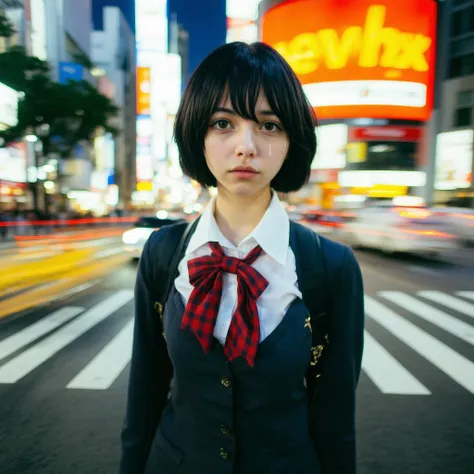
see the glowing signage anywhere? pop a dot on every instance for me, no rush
(242, 20)
(151, 25)
(8, 106)
(151, 22)
(143, 90)
(359, 58)
(454, 154)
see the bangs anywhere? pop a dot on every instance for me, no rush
(247, 81)
(247, 75)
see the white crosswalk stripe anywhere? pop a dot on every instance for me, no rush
(387, 373)
(23, 364)
(439, 354)
(434, 316)
(394, 311)
(108, 364)
(35, 331)
(449, 301)
(466, 294)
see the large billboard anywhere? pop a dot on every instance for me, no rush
(454, 155)
(359, 58)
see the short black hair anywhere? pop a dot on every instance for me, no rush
(242, 71)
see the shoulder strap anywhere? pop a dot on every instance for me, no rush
(167, 260)
(313, 281)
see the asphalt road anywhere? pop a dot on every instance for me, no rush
(64, 369)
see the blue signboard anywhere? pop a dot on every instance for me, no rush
(70, 72)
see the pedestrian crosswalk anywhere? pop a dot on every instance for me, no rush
(436, 326)
(453, 364)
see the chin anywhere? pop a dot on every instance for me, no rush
(245, 189)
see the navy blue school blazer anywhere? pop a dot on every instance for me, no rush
(331, 417)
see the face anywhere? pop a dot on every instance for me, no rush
(243, 155)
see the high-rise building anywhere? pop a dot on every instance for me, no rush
(113, 54)
(151, 30)
(15, 157)
(454, 100)
(68, 40)
(159, 176)
(179, 44)
(14, 11)
(242, 20)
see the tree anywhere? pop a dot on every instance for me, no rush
(70, 113)
(7, 30)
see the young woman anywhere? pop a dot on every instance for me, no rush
(220, 387)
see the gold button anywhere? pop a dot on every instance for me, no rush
(226, 382)
(223, 454)
(226, 431)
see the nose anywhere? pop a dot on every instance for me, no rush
(246, 146)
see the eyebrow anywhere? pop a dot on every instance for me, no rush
(232, 112)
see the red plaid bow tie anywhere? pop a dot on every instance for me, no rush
(200, 315)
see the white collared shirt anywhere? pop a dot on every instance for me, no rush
(276, 264)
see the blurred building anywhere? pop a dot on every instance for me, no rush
(14, 157)
(242, 20)
(159, 75)
(68, 27)
(372, 92)
(60, 32)
(454, 164)
(113, 54)
(15, 13)
(179, 44)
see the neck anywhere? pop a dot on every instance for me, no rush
(237, 216)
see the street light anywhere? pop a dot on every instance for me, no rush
(31, 138)
(34, 137)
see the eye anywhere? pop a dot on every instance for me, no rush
(221, 124)
(271, 127)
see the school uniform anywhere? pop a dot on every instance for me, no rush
(243, 415)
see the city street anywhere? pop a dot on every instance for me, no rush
(64, 369)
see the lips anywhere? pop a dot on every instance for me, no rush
(244, 169)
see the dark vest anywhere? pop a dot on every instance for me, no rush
(230, 418)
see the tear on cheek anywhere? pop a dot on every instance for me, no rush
(274, 150)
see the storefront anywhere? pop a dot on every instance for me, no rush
(13, 156)
(13, 187)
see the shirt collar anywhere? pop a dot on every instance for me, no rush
(275, 222)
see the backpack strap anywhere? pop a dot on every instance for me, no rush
(314, 285)
(167, 257)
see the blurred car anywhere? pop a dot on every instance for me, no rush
(293, 212)
(462, 221)
(392, 228)
(322, 221)
(134, 239)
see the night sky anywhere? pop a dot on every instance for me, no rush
(204, 19)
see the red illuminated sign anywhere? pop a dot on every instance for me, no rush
(390, 133)
(359, 58)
